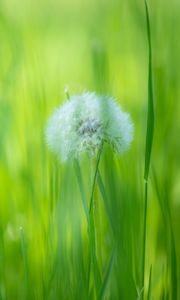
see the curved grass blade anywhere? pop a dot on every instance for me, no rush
(149, 138)
(150, 116)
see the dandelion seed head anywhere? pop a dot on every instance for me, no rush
(84, 122)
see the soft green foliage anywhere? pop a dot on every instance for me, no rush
(52, 245)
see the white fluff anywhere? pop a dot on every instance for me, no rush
(83, 122)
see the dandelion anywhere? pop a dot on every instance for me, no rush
(84, 123)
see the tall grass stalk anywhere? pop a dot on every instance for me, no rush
(149, 141)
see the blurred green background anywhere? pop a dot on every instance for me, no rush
(98, 46)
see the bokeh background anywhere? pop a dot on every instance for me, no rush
(98, 46)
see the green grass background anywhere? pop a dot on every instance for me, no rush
(98, 46)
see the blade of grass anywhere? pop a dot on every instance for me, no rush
(105, 198)
(149, 285)
(150, 115)
(173, 265)
(106, 277)
(91, 227)
(149, 139)
(144, 236)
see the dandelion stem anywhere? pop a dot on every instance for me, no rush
(95, 177)
(90, 218)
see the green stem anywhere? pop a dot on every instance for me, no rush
(91, 228)
(95, 178)
(149, 143)
(90, 218)
(144, 236)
